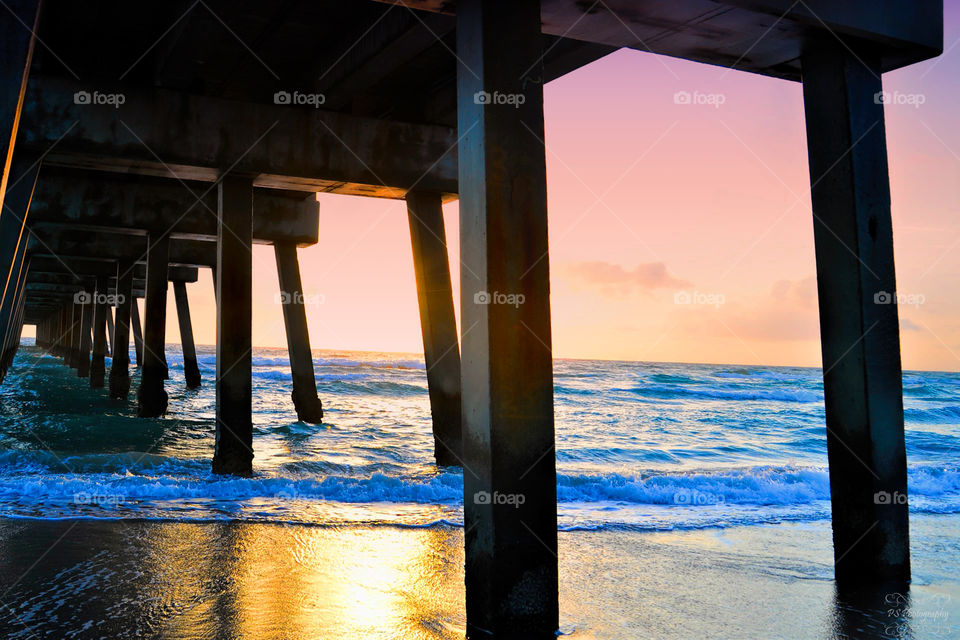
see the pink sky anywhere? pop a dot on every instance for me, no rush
(648, 198)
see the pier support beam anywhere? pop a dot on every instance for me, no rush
(137, 330)
(441, 350)
(305, 399)
(86, 327)
(859, 329)
(100, 309)
(75, 330)
(72, 334)
(510, 502)
(120, 368)
(13, 240)
(234, 442)
(110, 331)
(63, 346)
(16, 53)
(151, 397)
(12, 299)
(190, 369)
(14, 328)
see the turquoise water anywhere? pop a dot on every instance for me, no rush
(640, 446)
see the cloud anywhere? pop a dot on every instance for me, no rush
(906, 324)
(788, 313)
(614, 279)
(800, 294)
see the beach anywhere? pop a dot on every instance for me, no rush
(101, 579)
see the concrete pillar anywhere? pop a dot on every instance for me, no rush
(305, 399)
(55, 331)
(234, 442)
(16, 54)
(190, 369)
(859, 328)
(66, 332)
(60, 336)
(100, 308)
(441, 351)
(75, 327)
(137, 332)
(86, 331)
(510, 506)
(120, 368)
(63, 333)
(151, 397)
(110, 331)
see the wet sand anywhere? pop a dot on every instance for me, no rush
(126, 579)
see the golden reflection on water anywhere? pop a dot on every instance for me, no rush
(290, 582)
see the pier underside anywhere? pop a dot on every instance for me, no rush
(145, 140)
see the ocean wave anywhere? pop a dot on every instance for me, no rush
(755, 486)
(338, 385)
(119, 487)
(671, 378)
(209, 361)
(560, 390)
(141, 477)
(405, 363)
(948, 414)
(658, 391)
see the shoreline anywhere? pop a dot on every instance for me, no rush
(122, 578)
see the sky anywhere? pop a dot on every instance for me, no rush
(651, 202)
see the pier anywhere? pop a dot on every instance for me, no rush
(145, 143)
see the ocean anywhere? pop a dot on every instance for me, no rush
(640, 446)
(646, 453)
